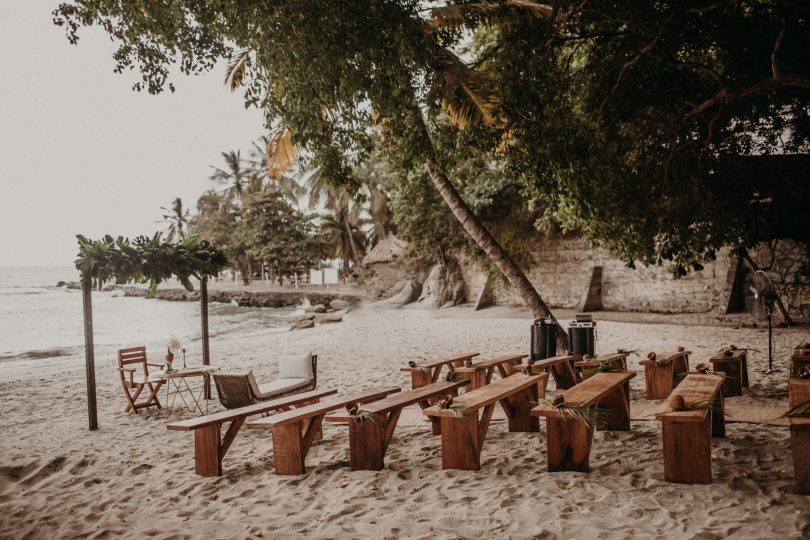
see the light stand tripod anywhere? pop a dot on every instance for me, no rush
(769, 297)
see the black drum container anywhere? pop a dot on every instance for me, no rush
(582, 337)
(544, 339)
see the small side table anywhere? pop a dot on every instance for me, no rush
(177, 385)
(736, 369)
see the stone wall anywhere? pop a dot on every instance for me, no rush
(564, 266)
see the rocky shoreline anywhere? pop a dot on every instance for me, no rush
(249, 298)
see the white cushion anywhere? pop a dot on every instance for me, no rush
(282, 385)
(297, 366)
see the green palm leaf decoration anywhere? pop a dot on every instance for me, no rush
(802, 410)
(590, 415)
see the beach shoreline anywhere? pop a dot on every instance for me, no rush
(133, 477)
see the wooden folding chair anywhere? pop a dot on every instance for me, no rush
(127, 358)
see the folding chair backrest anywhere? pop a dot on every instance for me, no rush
(133, 355)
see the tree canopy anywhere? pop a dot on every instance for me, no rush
(147, 260)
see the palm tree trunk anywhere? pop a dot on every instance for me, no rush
(345, 218)
(478, 232)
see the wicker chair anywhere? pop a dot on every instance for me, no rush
(240, 389)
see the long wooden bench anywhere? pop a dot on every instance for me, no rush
(664, 373)
(464, 430)
(294, 431)
(559, 367)
(618, 360)
(480, 373)
(210, 446)
(688, 433)
(428, 372)
(569, 438)
(369, 437)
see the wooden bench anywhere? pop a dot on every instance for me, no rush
(428, 372)
(615, 359)
(735, 368)
(569, 439)
(665, 374)
(209, 445)
(463, 437)
(560, 367)
(798, 360)
(480, 373)
(369, 438)
(798, 391)
(800, 448)
(688, 434)
(294, 431)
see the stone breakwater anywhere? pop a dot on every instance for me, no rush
(266, 299)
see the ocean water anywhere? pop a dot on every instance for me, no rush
(40, 320)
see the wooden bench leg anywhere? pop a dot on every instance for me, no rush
(718, 417)
(366, 446)
(288, 448)
(461, 446)
(618, 402)
(687, 452)
(518, 408)
(800, 448)
(420, 379)
(569, 444)
(207, 456)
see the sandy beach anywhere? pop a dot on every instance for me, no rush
(133, 478)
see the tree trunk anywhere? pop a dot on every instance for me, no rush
(473, 226)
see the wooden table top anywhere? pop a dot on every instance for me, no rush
(736, 356)
(186, 372)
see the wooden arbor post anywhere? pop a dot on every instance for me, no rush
(89, 353)
(206, 351)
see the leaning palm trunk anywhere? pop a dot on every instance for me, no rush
(478, 232)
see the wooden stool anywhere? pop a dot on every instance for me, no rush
(665, 374)
(735, 368)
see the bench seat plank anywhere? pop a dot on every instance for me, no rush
(320, 409)
(400, 400)
(428, 372)
(250, 410)
(692, 388)
(210, 446)
(457, 358)
(489, 394)
(559, 367)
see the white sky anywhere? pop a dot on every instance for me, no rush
(80, 152)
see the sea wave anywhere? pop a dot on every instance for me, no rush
(52, 352)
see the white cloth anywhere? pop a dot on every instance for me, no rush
(282, 385)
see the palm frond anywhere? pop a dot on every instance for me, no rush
(487, 13)
(459, 410)
(802, 410)
(235, 70)
(468, 98)
(364, 416)
(281, 152)
(590, 415)
(531, 369)
(601, 368)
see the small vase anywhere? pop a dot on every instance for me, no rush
(169, 360)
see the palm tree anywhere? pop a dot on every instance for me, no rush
(259, 162)
(177, 219)
(468, 98)
(341, 228)
(237, 178)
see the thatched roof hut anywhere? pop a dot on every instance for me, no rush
(388, 250)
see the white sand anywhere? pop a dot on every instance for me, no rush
(134, 478)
